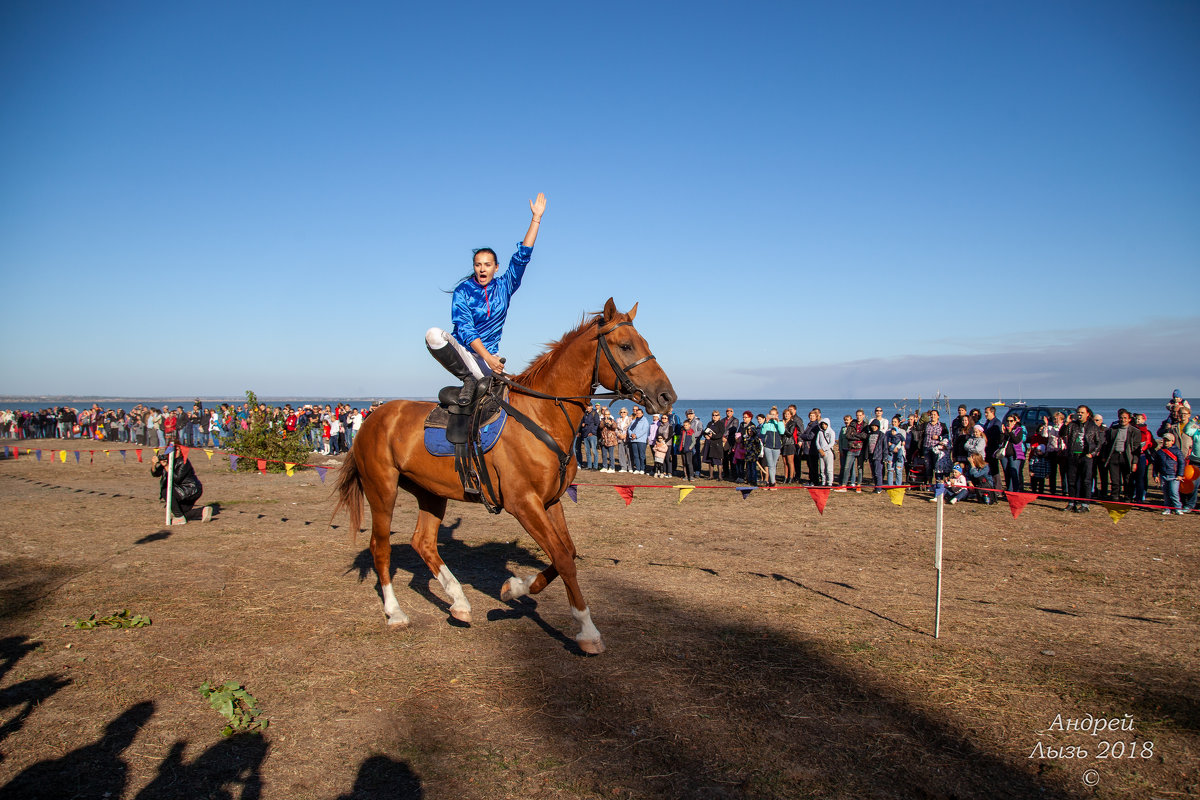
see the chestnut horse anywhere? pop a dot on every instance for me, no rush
(529, 478)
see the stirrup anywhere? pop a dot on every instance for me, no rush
(466, 395)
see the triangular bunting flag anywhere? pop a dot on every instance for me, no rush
(820, 497)
(39, 455)
(573, 493)
(262, 465)
(17, 452)
(156, 450)
(1115, 511)
(896, 495)
(62, 455)
(684, 491)
(184, 451)
(6, 455)
(91, 456)
(106, 453)
(939, 490)
(745, 490)
(288, 468)
(1017, 501)
(208, 452)
(233, 462)
(139, 454)
(321, 473)
(76, 457)
(626, 493)
(123, 456)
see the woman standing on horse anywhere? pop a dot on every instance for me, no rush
(478, 311)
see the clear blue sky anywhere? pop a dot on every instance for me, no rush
(818, 200)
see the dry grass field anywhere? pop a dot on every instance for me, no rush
(756, 649)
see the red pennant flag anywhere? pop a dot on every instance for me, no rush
(626, 492)
(16, 452)
(820, 497)
(139, 454)
(1017, 501)
(262, 466)
(184, 450)
(91, 456)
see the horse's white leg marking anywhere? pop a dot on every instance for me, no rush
(588, 637)
(461, 608)
(391, 608)
(516, 587)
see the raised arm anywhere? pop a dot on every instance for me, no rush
(538, 207)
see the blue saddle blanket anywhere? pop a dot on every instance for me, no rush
(436, 444)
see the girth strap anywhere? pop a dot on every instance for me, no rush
(545, 438)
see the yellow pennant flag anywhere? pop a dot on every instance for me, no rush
(1116, 512)
(289, 468)
(684, 491)
(106, 454)
(208, 452)
(156, 451)
(62, 456)
(896, 495)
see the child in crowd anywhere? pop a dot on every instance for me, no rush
(956, 485)
(1169, 463)
(824, 444)
(895, 453)
(1039, 468)
(661, 446)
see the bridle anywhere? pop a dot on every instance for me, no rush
(626, 387)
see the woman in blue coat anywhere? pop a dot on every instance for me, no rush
(478, 310)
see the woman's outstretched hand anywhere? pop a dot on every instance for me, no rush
(538, 206)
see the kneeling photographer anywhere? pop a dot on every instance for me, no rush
(185, 486)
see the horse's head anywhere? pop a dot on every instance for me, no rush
(628, 365)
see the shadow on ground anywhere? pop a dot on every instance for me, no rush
(230, 768)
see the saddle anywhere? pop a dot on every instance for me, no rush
(462, 426)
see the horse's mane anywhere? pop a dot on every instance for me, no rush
(540, 365)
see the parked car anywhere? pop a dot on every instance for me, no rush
(1031, 417)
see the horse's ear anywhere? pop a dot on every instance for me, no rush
(610, 310)
(633, 312)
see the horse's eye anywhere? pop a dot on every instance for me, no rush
(627, 347)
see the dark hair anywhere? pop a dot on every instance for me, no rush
(471, 274)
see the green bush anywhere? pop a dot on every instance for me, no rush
(261, 440)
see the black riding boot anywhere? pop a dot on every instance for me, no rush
(447, 356)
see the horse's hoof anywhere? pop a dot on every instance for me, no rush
(461, 615)
(397, 622)
(506, 591)
(593, 647)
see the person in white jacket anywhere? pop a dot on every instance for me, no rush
(824, 444)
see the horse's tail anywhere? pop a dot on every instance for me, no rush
(350, 494)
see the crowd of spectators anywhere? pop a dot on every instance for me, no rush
(328, 430)
(977, 454)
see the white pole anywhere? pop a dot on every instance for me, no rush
(170, 480)
(937, 563)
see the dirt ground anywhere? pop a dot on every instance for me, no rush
(756, 649)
